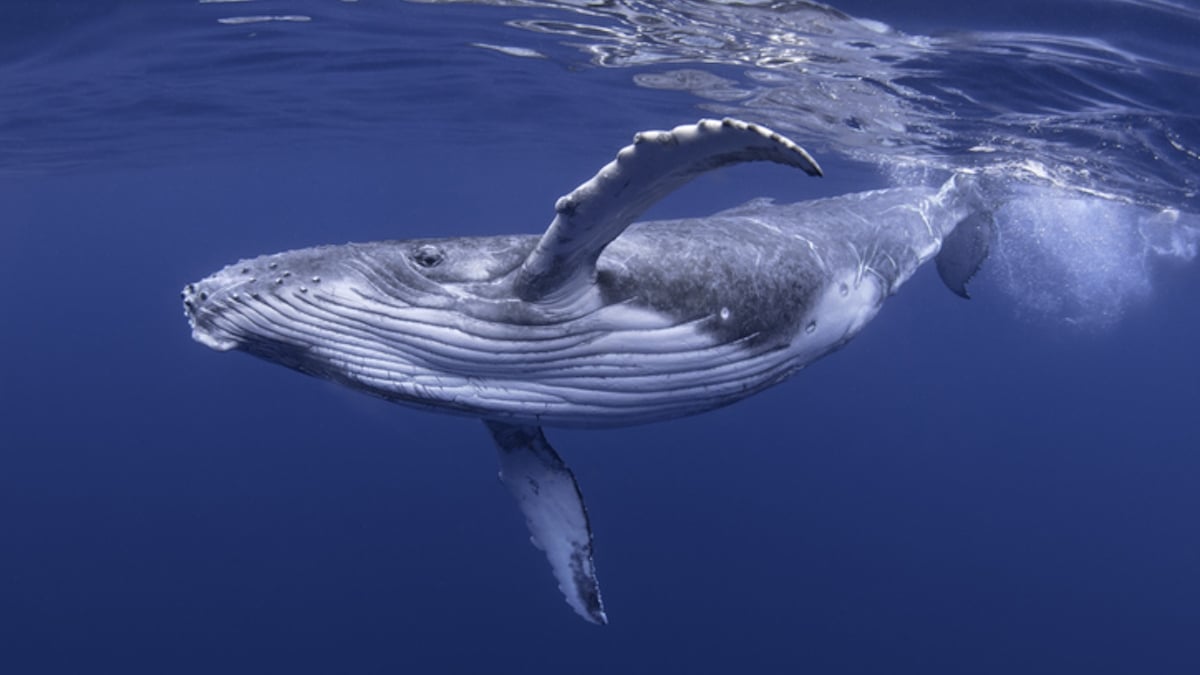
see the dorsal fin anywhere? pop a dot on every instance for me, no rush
(593, 214)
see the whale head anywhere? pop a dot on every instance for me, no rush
(394, 318)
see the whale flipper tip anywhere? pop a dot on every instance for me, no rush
(549, 498)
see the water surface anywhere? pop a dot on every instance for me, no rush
(997, 486)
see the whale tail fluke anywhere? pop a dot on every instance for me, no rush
(964, 251)
(963, 208)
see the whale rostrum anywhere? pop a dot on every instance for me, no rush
(600, 321)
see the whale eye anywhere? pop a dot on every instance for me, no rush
(428, 256)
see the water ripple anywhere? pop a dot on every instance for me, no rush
(1082, 105)
(1108, 113)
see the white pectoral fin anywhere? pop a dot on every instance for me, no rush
(657, 163)
(550, 500)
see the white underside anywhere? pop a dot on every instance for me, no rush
(615, 366)
(840, 312)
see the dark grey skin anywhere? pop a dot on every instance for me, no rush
(598, 322)
(745, 285)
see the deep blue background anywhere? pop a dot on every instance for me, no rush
(958, 491)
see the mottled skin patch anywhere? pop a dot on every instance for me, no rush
(749, 283)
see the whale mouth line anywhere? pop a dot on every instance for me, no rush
(208, 340)
(199, 306)
(203, 334)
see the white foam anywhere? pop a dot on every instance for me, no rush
(1081, 259)
(239, 20)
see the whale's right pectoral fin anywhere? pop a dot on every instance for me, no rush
(964, 250)
(550, 500)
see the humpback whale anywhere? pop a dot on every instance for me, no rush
(600, 321)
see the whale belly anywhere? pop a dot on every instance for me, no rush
(683, 332)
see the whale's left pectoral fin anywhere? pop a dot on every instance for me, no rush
(658, 162)
(550, 500)
(964, 250)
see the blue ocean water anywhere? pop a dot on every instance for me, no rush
(1006, 485)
